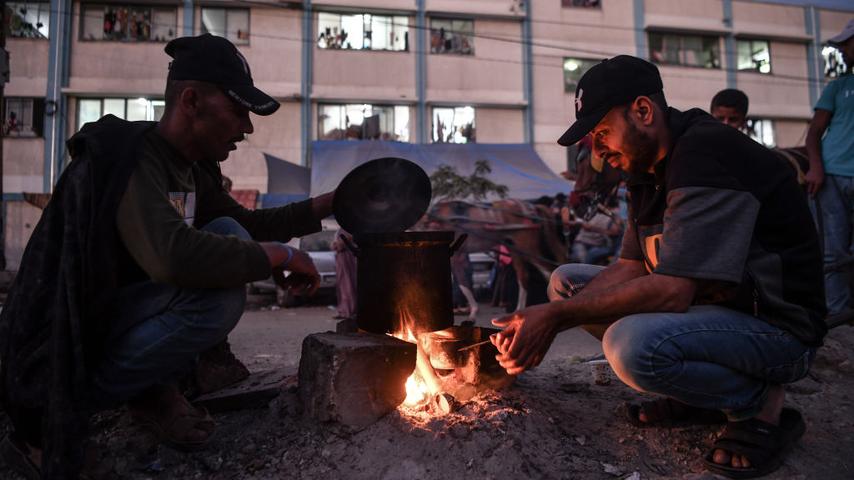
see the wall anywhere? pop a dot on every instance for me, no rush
(696, 15)
(278, 135)
(499, 125)
(587, 33)
(353, 5)
(21, 218)
(790, 133)
(767, 20)
(784, 93)
(492, 75)
(477, 7)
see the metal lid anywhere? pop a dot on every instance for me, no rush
(385, 195)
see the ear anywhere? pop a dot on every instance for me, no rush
(643, 109)
(188, 101)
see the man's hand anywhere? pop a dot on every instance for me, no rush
(526, 337)
(303, 280)
(814, 180)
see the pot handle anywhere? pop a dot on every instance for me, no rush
(350, 245)
(458, 243)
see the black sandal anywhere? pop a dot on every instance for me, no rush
(667, 412)
(764, 445)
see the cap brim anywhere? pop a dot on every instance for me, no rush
(582, 127)
(252, 98)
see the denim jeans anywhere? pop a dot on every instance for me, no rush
(709, 356)
(170, 327)
(835, 202)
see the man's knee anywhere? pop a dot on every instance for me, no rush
(216, 312)
(630, 346)
(227, 226)
(567, 279)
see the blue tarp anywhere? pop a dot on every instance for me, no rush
(515, 165)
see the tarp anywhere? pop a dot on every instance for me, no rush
(515, 165)
(286, 178)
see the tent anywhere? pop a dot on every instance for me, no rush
(515, 165)
(286, 182)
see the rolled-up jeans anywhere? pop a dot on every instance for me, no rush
(169, 327)
(709, 356)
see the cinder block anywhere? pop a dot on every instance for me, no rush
(353, 378)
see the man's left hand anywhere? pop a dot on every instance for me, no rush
(526, 337)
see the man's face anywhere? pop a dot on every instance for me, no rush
(847, 50)
(219, 124)
(619, 141)
(729, 116)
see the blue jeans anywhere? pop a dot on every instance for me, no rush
(835, 202)
(169, 328)
(710, 356)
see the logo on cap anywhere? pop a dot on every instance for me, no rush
(243, 61)
(578, 104)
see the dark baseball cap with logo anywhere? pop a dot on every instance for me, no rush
(212, 59)
(612, 82)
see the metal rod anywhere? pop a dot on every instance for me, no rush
(474, 345)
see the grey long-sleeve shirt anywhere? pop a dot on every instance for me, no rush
(169, 198)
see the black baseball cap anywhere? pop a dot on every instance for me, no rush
(212, 59)
(614, 81)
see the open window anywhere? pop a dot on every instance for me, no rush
(359, 121)
(128, 23)
(453, 125)
(230, 23)
(132, 109)
(23, 117)
(362, 31)
(688, 50)
(452, 36)
(753, 55)
(27, 19)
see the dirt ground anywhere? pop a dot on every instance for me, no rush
(554, 422)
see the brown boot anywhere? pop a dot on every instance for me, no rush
(217, 369)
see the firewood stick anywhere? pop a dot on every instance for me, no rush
(474, 345)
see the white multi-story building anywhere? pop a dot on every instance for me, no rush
(420, 71)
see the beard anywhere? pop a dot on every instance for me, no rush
(640, 148)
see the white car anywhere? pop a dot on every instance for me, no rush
(319, 248)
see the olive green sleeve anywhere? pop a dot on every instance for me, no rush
(170, 250)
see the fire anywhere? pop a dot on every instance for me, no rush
(423, 384)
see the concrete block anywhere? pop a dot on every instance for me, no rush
(353, 378)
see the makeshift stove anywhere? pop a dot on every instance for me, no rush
(407, 353)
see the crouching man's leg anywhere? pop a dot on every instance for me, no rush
(171, 326)
(716, 358)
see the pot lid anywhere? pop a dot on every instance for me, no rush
(385, 195)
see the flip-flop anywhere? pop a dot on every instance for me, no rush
(170, 432)
(763, 444)
(667, 412)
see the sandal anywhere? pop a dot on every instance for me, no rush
(173, 432)
(667, 412)
(763, 444)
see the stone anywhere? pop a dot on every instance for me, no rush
(353, 378)
(256, 391)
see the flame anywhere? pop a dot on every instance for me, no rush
(423, 384)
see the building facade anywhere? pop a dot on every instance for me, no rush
(488, 71)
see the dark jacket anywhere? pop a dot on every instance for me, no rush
(53, 325)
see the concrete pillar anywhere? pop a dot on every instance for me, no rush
(640, 30)
(56, 103)
(528, 73)
(421, 29)
(731, 65)
(306, 116)
(815, 66)
(189, 18)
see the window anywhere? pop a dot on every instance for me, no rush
(231, 23)
(128, 23)
(363, 122)
(362, 32)
(27, 19)
(686, 50)
(834, 63)
(453, 125)
(452, 36)
(92, 109)
(754, 55)
(23, 117)
(581, 3)
(573, 69)
(761, 130)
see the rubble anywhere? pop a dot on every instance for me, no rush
(353, 378)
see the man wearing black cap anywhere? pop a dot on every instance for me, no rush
(717, 298)
(139, 264)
